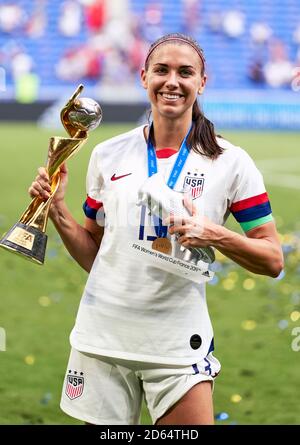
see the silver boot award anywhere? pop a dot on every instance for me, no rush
(158, 196)
(191, 263)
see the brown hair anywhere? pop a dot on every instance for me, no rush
(202, 138)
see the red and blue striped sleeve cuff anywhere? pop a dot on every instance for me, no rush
(252, 212)
(91, 207)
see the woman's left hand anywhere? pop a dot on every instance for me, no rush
(195, 230)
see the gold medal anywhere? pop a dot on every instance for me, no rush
(162, 245)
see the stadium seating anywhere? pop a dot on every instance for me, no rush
(228, 59)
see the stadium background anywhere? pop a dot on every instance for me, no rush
(253, 60)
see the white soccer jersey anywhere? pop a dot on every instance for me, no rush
(131, 309)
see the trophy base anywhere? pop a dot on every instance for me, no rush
(26, 241)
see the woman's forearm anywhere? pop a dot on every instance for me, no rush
(78, 241)
(256, 255)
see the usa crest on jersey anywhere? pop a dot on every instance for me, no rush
(74, 385)
(194, 184)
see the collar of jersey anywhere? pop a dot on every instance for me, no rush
(164, 153)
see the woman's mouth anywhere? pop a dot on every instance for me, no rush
(171, 96)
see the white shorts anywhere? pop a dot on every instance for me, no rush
(109, 391)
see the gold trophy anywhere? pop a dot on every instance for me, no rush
(27, 237)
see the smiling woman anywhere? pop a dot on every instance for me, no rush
(175, 73)
(143, 330)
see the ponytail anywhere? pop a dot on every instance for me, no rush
(202, 138)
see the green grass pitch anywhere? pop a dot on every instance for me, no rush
(253, 317)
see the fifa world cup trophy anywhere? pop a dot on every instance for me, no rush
(27, 237)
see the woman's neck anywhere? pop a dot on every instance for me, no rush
(169, 133)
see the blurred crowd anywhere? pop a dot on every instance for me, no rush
(271, 63)
(114, 46)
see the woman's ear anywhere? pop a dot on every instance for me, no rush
(202, 85)
(144, 78)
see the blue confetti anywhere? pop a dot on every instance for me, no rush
(222, 416)
(281, 275)
(216, 266)
(46, 398)
(295, 298)
(283, 324)
(52, 253)
(287, 248)
(214, 280)
(56, 297)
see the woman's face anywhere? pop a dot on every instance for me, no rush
(173, 80)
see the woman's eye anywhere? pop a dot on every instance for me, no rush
(185, 73)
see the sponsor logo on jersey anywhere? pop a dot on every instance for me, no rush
(194, 184)
(115, 178)
(74, 385)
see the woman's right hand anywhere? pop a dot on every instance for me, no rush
(41, 188)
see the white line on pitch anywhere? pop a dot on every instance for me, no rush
(280, 180)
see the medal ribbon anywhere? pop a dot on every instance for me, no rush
(161, 231)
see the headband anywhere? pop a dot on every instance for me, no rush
(180, 39)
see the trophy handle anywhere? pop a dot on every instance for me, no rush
(73, 132)
(60, 150)
(36, 214)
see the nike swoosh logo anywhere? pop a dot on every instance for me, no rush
(115, 178)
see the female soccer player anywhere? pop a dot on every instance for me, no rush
(140, 330)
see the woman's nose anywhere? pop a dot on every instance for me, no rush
(172, 80)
